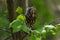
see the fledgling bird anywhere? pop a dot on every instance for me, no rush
(30, 16)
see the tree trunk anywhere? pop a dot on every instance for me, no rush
(11, 5)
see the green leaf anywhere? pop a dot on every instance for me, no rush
(53, 33)
(25, 28)
(16, 25)
(16, 29)
(19, 10)
(21, 17)
(38, 38)
(32, 37)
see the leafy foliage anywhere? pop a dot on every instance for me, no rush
(4, 22)
(32, 37)
(19, 23)
(19, 10)
(21, 17)
(16, 25)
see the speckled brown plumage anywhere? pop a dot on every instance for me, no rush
(30, 16)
